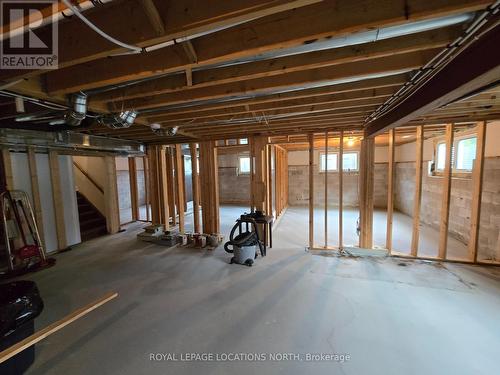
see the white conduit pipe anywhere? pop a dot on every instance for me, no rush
(99, 31)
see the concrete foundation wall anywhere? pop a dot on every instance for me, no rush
(298, 186)
(461, 202)
(233, 187)
(461, 194)
(298, 177)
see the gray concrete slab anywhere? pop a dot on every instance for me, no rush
(391, 316)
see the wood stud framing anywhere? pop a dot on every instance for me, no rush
(341, 190)
(390, 189)
(179, 182)
(366, 171)
(134, 199)
(445, 208)
(477, 191)
(196, 187)
(112, 207)
(310, 137)
(58, 200)
(418, 191)
(210, 192)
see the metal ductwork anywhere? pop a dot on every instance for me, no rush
(162, 132)
(78, 111)
(121, 120)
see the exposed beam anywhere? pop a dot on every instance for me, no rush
(326, 19)
(475, 67)
(367, 84)
(353, 71)
(288, 64)
(181, 18)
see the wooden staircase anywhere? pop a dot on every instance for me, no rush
(92, 222)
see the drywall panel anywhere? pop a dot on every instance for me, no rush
(71, 219)
(48, 215)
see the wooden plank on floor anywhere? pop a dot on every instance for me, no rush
(477, 191)
(418, 190)
(445, 208)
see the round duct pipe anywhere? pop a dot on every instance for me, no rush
(118, 121)
(76, 115)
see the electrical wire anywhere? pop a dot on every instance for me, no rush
(99, 31)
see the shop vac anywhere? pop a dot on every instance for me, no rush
(245, 245)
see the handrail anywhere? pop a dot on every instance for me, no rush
(99, 187)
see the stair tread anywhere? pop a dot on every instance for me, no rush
(92, 222)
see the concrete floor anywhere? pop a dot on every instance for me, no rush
(391, 316)
(402, 231)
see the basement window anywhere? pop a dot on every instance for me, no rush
(243, 141)
(244, 165)
(466, 154)
(329, 161)
(350, 162)
(462, 158)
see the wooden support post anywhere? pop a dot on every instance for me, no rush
(259, 176)
(153, 183)
(147, 188)
(35, 190)
(112, 208)
(326, 189)
(418, 191)
(209, 179)
(366, 192)
(7, 165)
(310, 137)
(445, 208)
(269, 179)
(341, 190)
(390, 189)
(184, 194)
(179, 178)
(171, 185)
(134, 198)
(57, 199)
(477, 191)
(164, 199)
(196, 187)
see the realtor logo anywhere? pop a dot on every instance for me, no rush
(29, 34)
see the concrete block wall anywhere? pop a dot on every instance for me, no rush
(298, 182)
(233, 187)
(489, 232)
